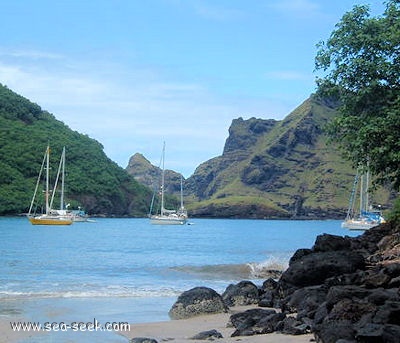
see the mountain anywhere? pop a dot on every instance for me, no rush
(93, 181)
(150, 176)
(275, 169)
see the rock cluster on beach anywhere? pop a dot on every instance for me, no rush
(343, 290)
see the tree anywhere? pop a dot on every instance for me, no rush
(361, 60)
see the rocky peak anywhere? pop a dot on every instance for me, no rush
(243, 134)
(144, 172)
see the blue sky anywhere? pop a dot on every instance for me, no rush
(132, 74)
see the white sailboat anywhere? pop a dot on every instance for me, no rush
(168, 217)
(50, 216)
(364, 217)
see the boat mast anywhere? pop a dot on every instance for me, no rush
(61, 170)
(181, 194)
(162, 181)
(364, 193)
(37, 182)
(47, 178)
(62, 179)
(367, 191)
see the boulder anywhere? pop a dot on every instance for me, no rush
(243, 293)
(269, 295)
(142, 340)
(305, 301)
(292, 326)
(331, 331)
(315, 268)
(197, 301)
(346, 289)
(352, 310)
(337, 293)
(389, 313)
(327, 242)
(299, 254)
(380, 296)
(267, 299)
(377, 333)
(209, 335)
(375, 278)
(256, 322)
(391, 333)
(269, 285)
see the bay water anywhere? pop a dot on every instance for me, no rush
(127, 270)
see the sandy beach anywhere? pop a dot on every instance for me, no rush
(181, 331)
(177, 331)
(7, 335)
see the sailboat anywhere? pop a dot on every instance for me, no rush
(50, 216)
(365, 217)
(168, 217)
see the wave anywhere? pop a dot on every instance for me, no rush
(273, 267)
(109, 291)
(253, 270)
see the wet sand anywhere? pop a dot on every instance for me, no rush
(181, 331)
(8, 335)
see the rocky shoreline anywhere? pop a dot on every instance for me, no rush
(342, 290)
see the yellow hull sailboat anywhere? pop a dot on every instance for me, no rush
(50, 217)
(48, 220)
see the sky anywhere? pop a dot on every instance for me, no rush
(133, 74)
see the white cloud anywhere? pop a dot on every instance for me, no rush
(298, 8)
(134, 110)
(32, 54)
(217, 13)
(126, 118)
(288, 75)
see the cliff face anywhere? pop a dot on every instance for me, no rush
(270, 168)
(276, 169)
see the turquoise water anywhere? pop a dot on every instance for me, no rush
(129, 270)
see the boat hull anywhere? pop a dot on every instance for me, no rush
(42, 220)
(358, 225)
(158, 220)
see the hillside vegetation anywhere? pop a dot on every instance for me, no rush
(283, 169)
(272, 169)
(93, 181)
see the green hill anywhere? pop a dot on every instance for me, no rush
(272, 169)
(268, 169)
(283, 169)
(93, 181)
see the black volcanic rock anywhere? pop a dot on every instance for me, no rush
(327, 242)
(207, 335)
(341, 290)
(255, 322)
(315, 268)
(197, 301)
(243, 293)
(142, 340)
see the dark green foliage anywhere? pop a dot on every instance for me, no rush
(362, 61)
(394, 215)
(93, 181)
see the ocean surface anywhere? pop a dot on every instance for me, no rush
(127, 270)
